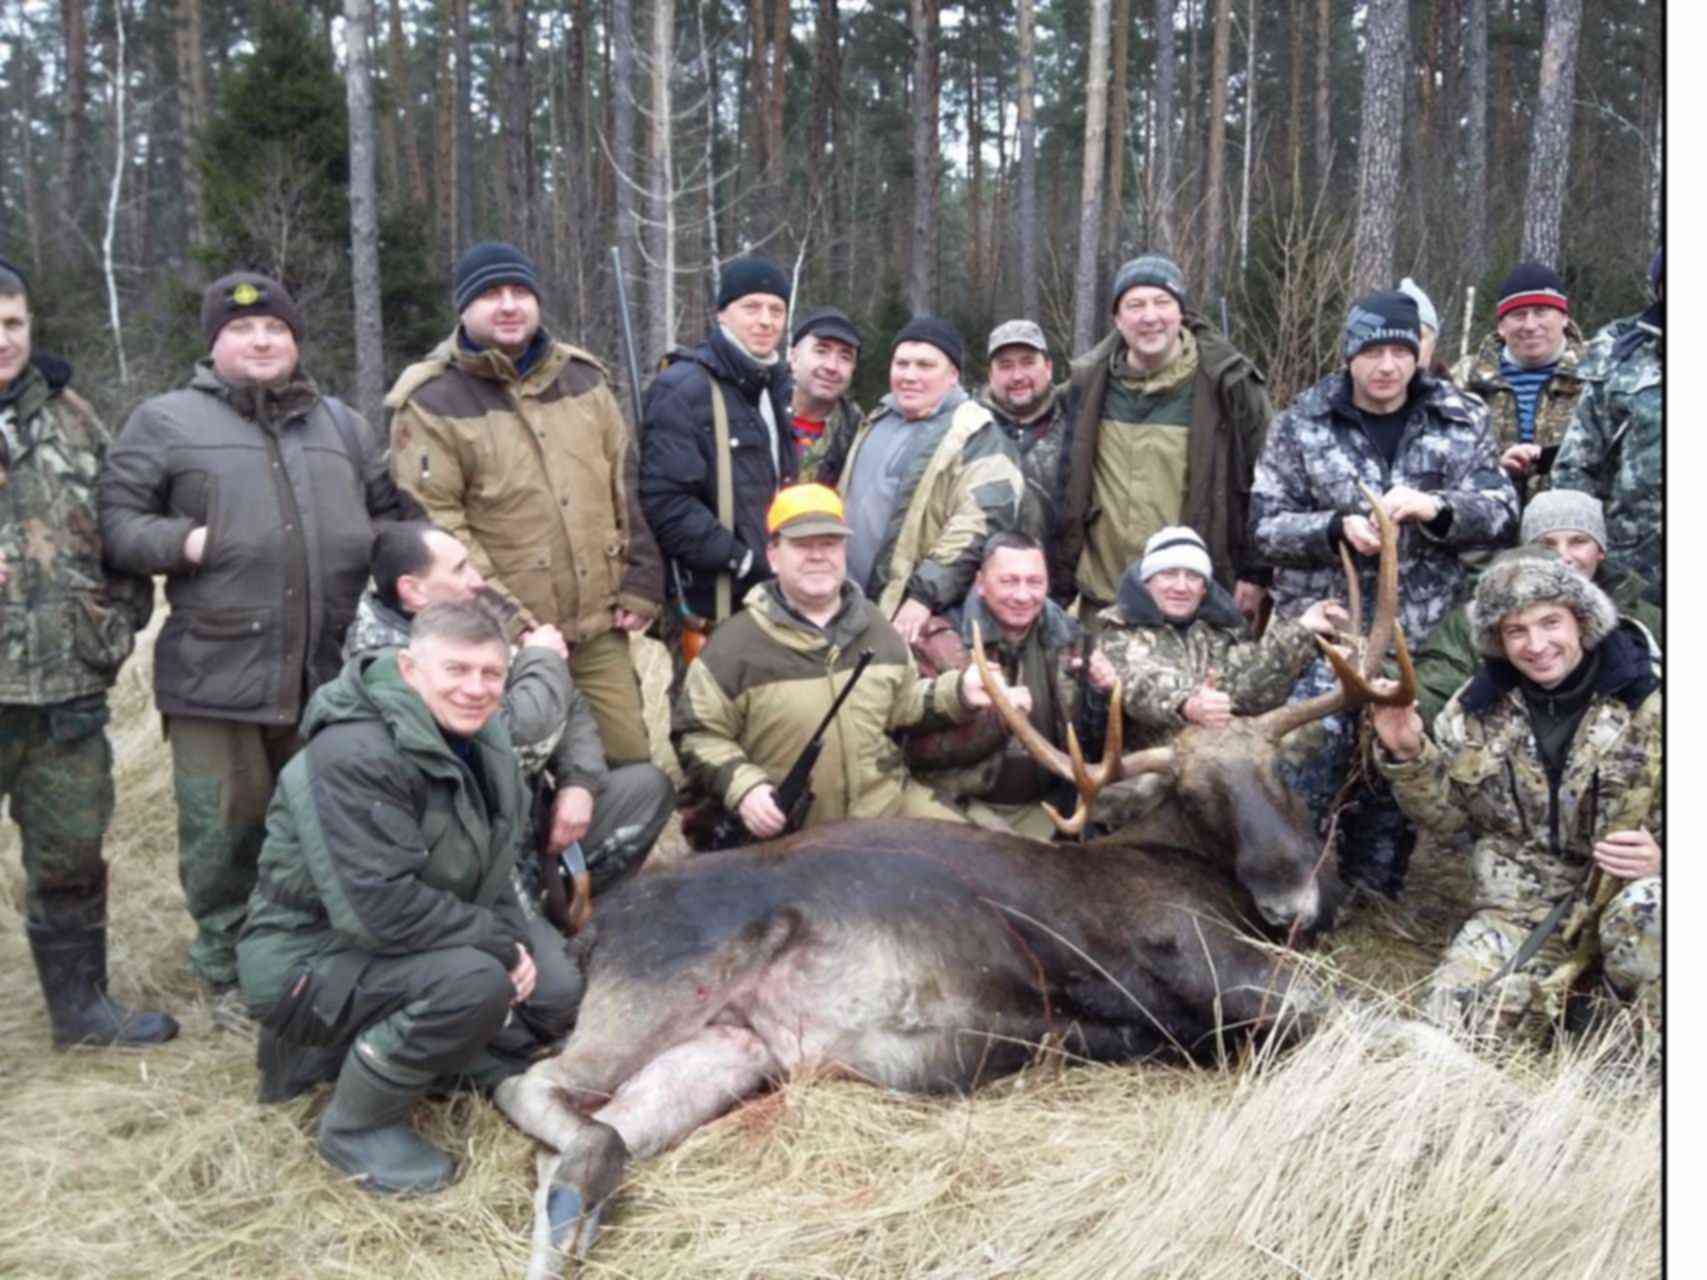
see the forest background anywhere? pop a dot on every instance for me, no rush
(980, 159)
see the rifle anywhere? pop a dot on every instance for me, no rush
(627, 333)
(793, 794)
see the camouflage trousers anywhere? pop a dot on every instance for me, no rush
(56, 771)
(223, 773)
(1523, 1004)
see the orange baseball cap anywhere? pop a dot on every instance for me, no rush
(806, 511)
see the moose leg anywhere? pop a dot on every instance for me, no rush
(663, 1102)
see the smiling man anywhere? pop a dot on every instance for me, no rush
(1036, 415)
(1550, 760)
(1167, 427)
(515, 444)
(824, 356)
(385, 929)
(1526, 372)
(1427, 451)
(255, 496)
(929, 477)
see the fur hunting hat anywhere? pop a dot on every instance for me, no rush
(1525, 576)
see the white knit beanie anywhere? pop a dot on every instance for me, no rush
(1175, 547)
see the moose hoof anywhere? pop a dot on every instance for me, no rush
(573, 1187)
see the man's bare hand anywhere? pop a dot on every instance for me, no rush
(1520, 459)
(4, 573)
(975, 695)
(1248, 598)
(1409, 506)
(195, 544)
(910, 619)
(1629, 855)
(547, 637)
(628, 620)
(571, 814)
(1208, 706)
(1102, 674)
(1399, 728)
(1327, 618)
(523, 976)
(760, 814)
(1360, 532)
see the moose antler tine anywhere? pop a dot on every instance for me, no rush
(1069, 826)
(1045, 753)
(1148, 760)
(1112, 766)
(1353, 591)
(1081, 775)
(1387, 587)
(1406, 693)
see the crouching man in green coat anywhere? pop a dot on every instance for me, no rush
(385, 923)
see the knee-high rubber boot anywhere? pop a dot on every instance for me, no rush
(72, 964)
(365, 1132)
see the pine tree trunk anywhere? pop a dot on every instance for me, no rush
(1085, 287)
(444, 163)
(1475, 186)
(1550, 146)
(921, 279)
(623, 111)
(408, 136)
(192, 111)
(1382, 132)
(1114, 207)
(464, 126)
(1324, 92)
(1162, 214)
(390, 145)
(661, 267)
(976, 280)
(1295, 94)
(1030, 293)
(515, 119)
(1251, 29)
(364, 212)
(1214, 195)
(73, 164)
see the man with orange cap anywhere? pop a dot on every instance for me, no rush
(767, 677)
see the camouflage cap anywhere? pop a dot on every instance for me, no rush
(1017, 333)
(1530, 575)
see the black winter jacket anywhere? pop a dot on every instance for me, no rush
(678, 467)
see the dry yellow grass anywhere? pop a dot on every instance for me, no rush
(1342, 1158)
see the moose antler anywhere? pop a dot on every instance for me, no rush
(1069, 765)
(1355, 689)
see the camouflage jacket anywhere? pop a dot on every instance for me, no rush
(765, 680)
(1161, 665)
(1484, 774)
(962, 485)
(821, 461)
(1613, 446)
(67, 623)
(1449, 657)
(548, 719)
(1042, 446)
(1307, 478)
(982, 758)
(1480, 372)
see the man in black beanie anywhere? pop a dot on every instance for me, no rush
(929, 477)
(715, 449)
(1426, 450)
(515, 444)
(1526, 371)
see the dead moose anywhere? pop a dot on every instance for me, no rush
(930, 956)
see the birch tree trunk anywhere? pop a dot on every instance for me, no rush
(921, 278)
(661, 262)
(120, 140)
(1031, 297)
(1085, 291)
(1162, 215)
(1324, 92)
(623, 111)
(1250, 138)
(1114, 210)
(1382, 131)
(364, 212)
(1550, 145)
(1214, 194)
(1476, 141)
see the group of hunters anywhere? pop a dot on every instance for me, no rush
(407, 737)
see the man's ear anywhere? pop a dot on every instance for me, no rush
(409, 593)
(407, 665)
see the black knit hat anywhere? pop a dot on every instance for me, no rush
(6, 264)
(1532, 285)
(1154, 269)
(751, 274)
(247, 293)
(830, 322)
(1383, 316)
(939, 333)
(488, 265)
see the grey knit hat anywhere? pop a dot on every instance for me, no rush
(1175, 547)
(1425, 305)
(1532, 575)
(1558, 509)
(1154, 269)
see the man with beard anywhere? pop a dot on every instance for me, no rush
(1036, 415)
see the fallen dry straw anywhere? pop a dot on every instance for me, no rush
(1343, 1158)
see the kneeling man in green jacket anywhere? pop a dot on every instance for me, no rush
(386, 931)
